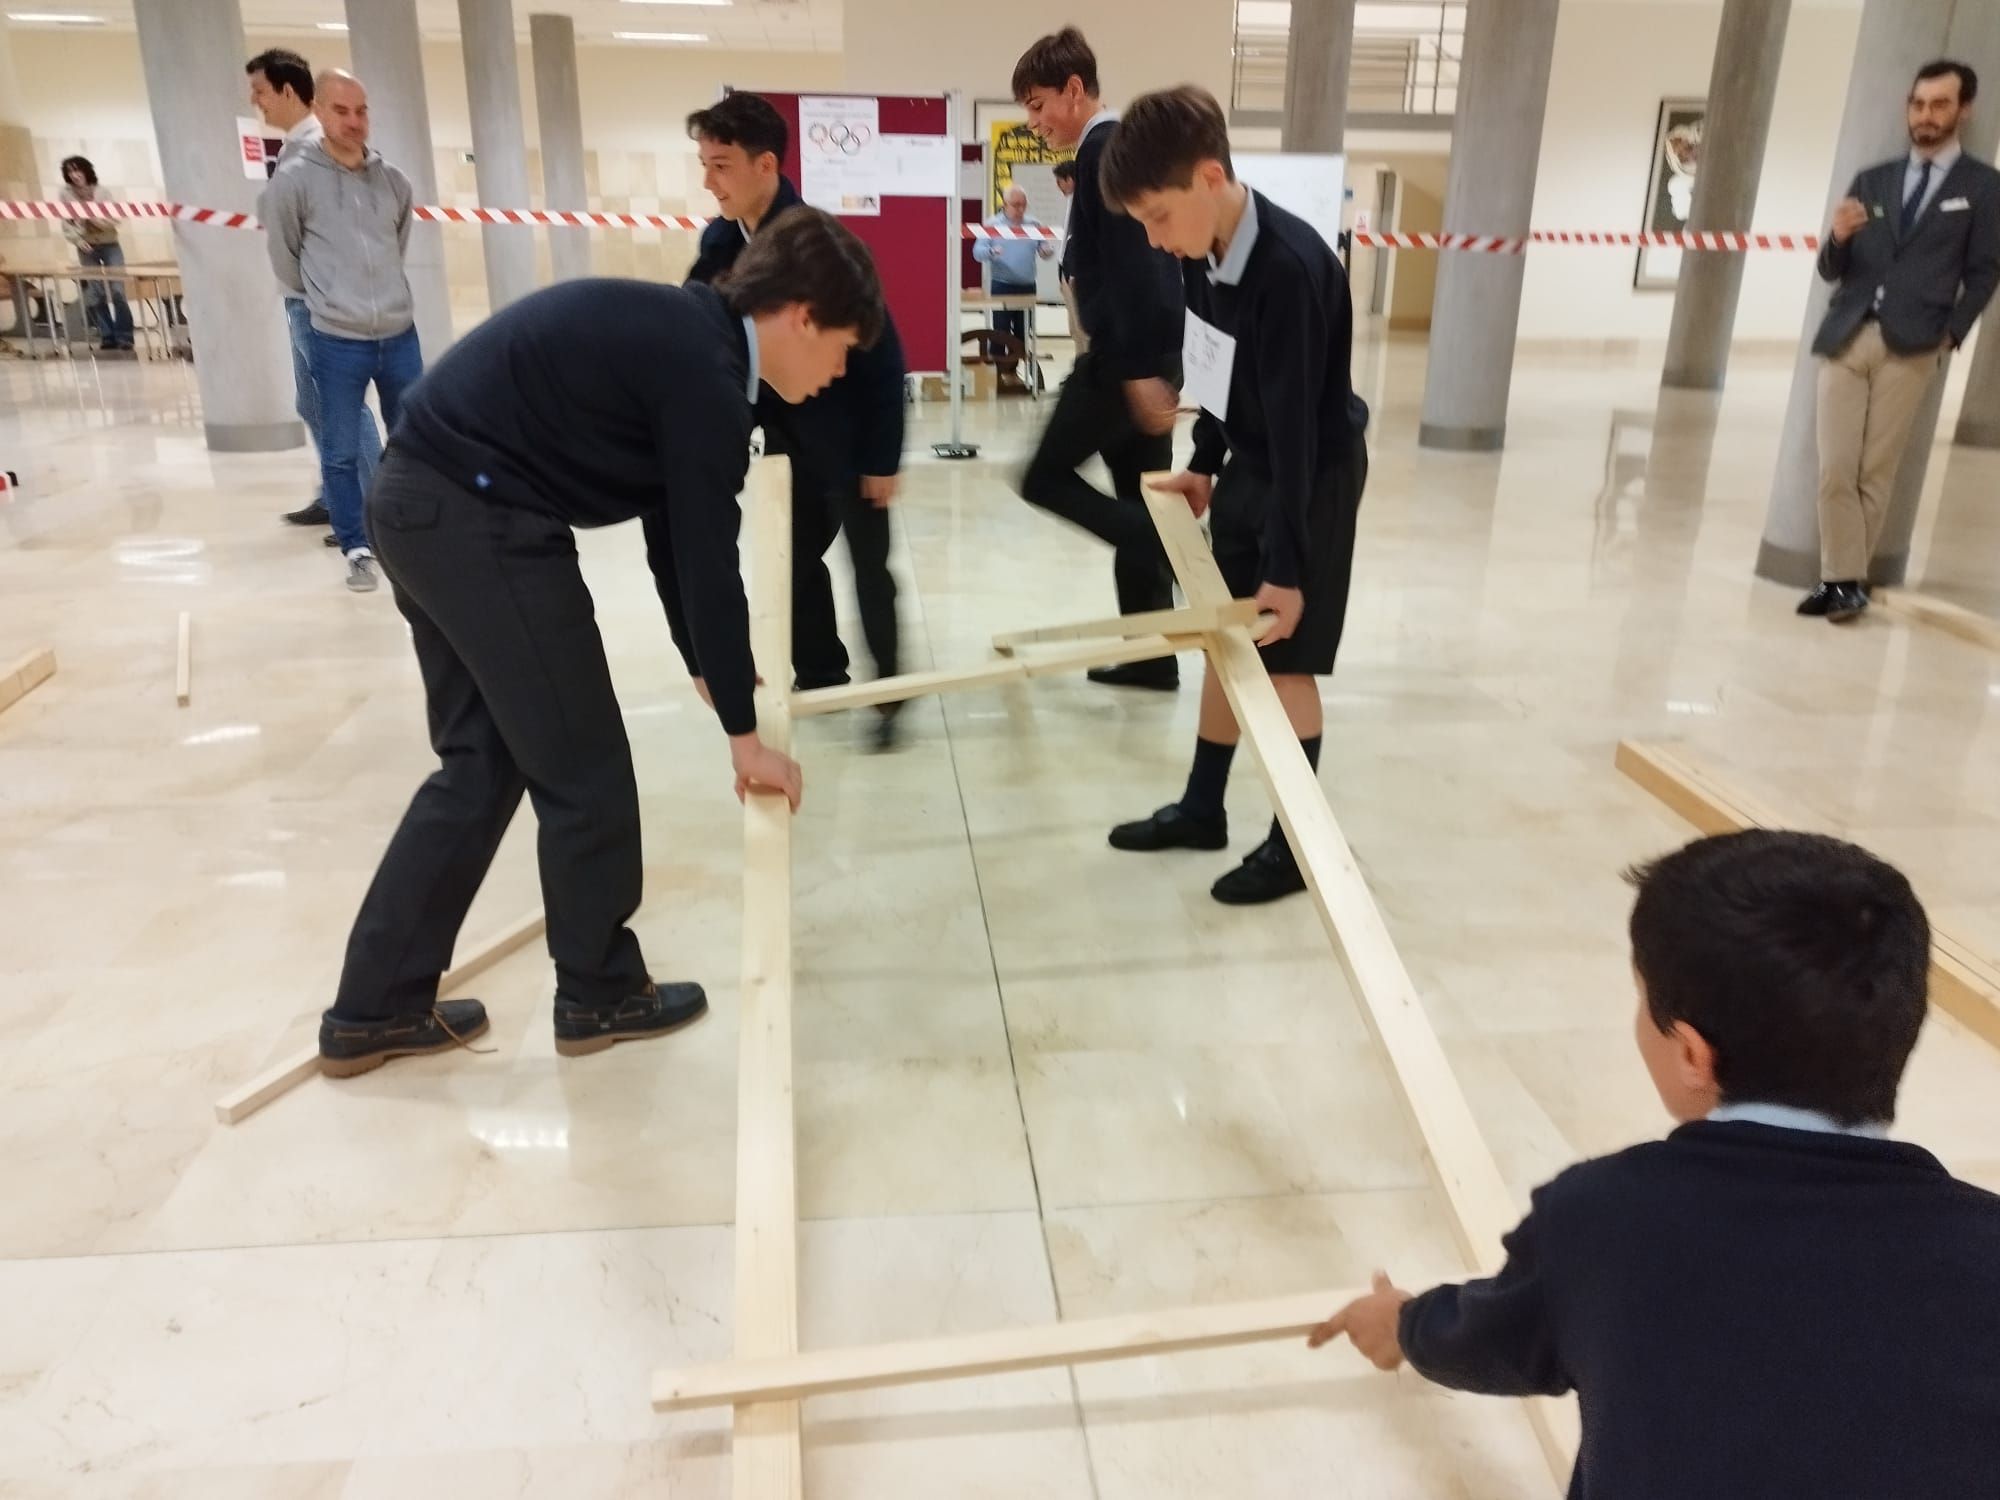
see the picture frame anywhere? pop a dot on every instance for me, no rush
(1670, 176)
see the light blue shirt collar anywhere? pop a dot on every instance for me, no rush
(1790, 1117)
(750, 341)
(1102, 117)
(1941, 165)
(1229, 271)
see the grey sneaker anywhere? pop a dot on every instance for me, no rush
(361, 577)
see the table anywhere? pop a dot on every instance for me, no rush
(151, 285)
(1027, 302)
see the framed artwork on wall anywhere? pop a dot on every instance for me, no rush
(1670, 189)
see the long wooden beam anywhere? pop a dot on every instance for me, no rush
(1147, 622)
(24, 674)
(1963, 983)
(295, 1068)
(1482, 1209)
(1100, 653)
(998, 1352)
(767, 1456)
(1954, 619)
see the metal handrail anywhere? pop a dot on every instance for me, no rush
(1402, 64)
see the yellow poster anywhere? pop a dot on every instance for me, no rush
(1011, 144)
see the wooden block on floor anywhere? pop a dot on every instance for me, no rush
(24, 674)
(1964, 984)
(1939, 614)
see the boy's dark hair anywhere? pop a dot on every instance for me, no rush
(1159, 141)
(283, 69)
(1065, 171)
(89, 171)
(747, 120)
(1053, 61)
(1801, 959)
(807, 255)
(1968, 81)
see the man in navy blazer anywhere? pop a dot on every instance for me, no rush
(1915, 248)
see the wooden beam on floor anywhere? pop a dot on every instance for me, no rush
(295, 1068)
(183, 663)
(906, 685)
(1939, 614)
(1148, 622)
(767, 1459)
(1001, 1351)
(24, 674)
(1964, 984)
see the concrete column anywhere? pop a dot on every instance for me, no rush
(388, 53)
(559, 108)
(1496, 146)
(499, 147)
(193, 52)
(1897, 37)
(1979, 417)
(1742, 87)
(19, 176)
(1319, 53)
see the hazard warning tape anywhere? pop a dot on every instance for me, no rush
(578, 219)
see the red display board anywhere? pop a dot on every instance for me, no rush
(908, 238)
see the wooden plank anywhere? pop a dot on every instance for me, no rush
(289, 1072)
(998, 1352)
(1101, 653)
(1147, 622)
(1482, 1209)
(1963, 983)
(183, 664)
(1940, 614)
(767, 1461)
(24, 674)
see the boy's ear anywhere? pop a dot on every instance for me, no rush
(1696, 1057)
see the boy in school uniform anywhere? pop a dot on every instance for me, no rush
(1120, 398)
(1775, 1300)
(1280, 456)
(846, 444)
(521, 434)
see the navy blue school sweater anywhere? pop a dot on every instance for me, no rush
(855, 425)
(1747, 1313)
(1293, 415)
(598, 401)
(1128, 295)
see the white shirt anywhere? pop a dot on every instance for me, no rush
(750, 335)
(1913, 170)
(1791, 1117)
(1229, 270)
(1102, 117)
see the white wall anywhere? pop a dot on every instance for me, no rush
(1597, 145)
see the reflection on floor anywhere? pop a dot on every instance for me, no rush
(1036, 1077)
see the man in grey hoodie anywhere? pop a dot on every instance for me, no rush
(338, 220)
(281, 88)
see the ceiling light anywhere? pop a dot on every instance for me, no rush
(681, 2)
(659, 36)
(333, 26)
(53, 18)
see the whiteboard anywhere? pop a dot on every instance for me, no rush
(1313, 187)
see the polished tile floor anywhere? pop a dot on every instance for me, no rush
(1035, 1078)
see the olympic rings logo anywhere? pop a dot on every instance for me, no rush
(849, 140)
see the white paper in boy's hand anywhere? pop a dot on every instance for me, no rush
(1207, 357)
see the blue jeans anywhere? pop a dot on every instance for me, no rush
(105, 299)
(342, 369)
(299, 323)
(1014, 322)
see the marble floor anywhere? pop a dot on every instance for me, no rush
(1036, 1078)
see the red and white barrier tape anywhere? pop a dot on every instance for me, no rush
(1478, 243)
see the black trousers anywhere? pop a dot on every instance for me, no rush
(819, 512)
(1091, 417)
(519, 698)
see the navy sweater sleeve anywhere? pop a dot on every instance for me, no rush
(720, 244)
(878, 377)
(691, 545)
(1494, 1336)
(1129, 295)
(1290, 325)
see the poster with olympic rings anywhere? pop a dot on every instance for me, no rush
(840, 142)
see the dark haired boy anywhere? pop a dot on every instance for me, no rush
(521, 433)
(1775, 1300)
(846, 444)
(1120, 398)
(1279, 446)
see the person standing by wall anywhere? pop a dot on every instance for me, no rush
(337, 218)
(281, 89)
(1915, 248)
(96, 242)
(1013, 261)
